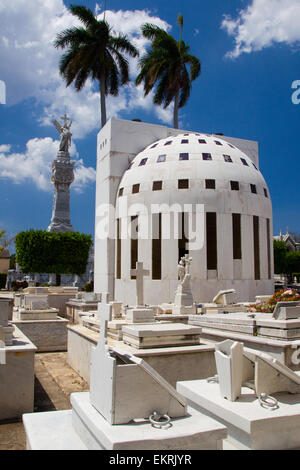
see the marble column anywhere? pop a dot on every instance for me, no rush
(62, 178)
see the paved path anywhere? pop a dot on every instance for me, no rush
(54, 382)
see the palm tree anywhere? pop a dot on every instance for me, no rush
(166, 65)
(93, 52)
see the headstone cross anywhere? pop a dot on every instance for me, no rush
(139, 273)
(66, 119)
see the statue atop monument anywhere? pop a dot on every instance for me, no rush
(184, 269)
(184, 302)
(62, 177)
(65, 134)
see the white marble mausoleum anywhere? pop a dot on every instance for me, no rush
(187, 192)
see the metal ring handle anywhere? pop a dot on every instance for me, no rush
(266, 401)
(155, 420)
(213, 380)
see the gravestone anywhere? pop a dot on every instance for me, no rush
(6, 328)
(111, 391)
(229, 362)
(225, 297)
(286, 311)
(140, 313)
(265, 414)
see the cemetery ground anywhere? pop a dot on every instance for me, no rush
(54, 382)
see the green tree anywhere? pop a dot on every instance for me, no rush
(2, 241)
(292, 264)
(280, 252)
(39, 251)
(93, 52)
(169, 67)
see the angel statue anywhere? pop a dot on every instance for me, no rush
(184, 268)
(65, 134)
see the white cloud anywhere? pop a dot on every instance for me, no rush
(34, 165)
(29, 62)
(4, 148)
(262, 24)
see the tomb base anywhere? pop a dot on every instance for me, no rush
(159, 335)
(46, 314)
(17, 378)
(174, 363)
(84, 428)
(250, 426)
(140, 315)
(46, 335)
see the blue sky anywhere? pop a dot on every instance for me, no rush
(249, 50)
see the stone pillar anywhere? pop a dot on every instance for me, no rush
(62, 178)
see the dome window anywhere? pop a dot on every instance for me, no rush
(253, 188)
(143, 161)
(183, 156)
(255, 166)
(217, 142)
(202, 141)
(227, 158)
(135, 188)
(184, 141)
(157, 185)
(265, 192)
(210, 184)
(235, 185)
(232, 146)
(244, 162)
(168, 142)
(153, 146)
(161, 158)
(183, 184)
(206, 156)
(121, 190)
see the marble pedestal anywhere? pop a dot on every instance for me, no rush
(17, 378)
(160, 335)
(84, 428)
(249, 425)
(184, 301)
(140, 315)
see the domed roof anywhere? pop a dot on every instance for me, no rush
(198, 158)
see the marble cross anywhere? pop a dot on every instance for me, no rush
(104, 314)
(139, 272)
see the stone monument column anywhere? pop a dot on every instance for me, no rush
(62, 177)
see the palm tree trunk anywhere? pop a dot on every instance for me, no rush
(102, 99)
(175, 119)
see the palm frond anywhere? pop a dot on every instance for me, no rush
(70, 37)
(84, 14)
(122, 44)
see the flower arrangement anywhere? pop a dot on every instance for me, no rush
(283, 295)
